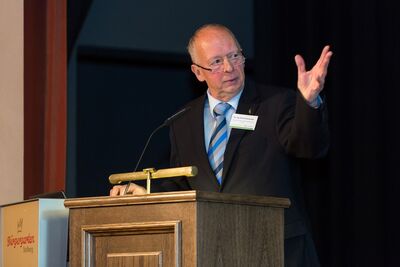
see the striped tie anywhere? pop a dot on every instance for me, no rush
(218, 140)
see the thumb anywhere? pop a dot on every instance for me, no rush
(301, 66)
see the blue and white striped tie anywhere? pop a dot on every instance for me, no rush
(218, 140)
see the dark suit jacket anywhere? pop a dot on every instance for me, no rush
(259, 162)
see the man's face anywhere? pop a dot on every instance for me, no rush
(212, 44)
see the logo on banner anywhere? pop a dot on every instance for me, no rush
(19, 225)
(20, 239)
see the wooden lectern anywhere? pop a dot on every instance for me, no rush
(188, 228)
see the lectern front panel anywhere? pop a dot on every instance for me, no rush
(98, 232)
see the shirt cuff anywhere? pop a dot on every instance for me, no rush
(316, 103)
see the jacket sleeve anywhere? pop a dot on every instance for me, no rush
(302, 130)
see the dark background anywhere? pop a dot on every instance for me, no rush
(128, 71)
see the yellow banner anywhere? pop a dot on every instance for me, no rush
(20, 234)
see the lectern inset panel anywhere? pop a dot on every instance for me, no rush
(144, 244)
(140, 259)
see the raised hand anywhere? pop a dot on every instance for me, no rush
(310, 83)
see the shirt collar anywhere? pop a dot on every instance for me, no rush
(234, 101)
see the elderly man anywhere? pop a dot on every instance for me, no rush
(246, 138)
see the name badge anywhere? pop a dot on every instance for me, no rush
(244, 122)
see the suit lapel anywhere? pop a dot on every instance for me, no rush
(197, 134)
(248, 104)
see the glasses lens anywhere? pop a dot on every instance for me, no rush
(235, 60)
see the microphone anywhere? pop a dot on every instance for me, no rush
(167, 122)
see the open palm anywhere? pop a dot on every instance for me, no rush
(310, 83)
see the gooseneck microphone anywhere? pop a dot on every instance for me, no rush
(167, 122)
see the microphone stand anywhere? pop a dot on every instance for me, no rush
(167, 122)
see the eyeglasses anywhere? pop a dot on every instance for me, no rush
(217, 65)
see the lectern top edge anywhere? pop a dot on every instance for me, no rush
(179, 196)
(18, 202)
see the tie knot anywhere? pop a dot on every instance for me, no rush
(221, 108)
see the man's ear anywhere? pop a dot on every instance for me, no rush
(198, 73)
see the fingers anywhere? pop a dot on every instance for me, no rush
(324, 60)
(134, 189)
(322, 57)
(320, 69)
(117, 190)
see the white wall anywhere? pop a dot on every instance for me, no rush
(11, 100)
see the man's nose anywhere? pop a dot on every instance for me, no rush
(228, 66)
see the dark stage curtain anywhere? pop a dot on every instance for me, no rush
(352, 195)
